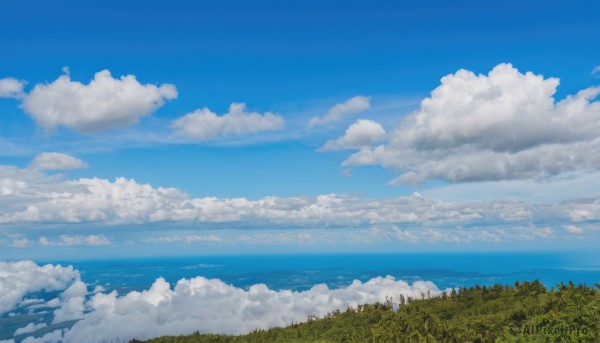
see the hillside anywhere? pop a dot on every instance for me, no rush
(524, 312)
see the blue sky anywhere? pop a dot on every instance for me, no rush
(298, 61)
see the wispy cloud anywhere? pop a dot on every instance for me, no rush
(340, 111)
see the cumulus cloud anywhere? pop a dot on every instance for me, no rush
(71, 303)
(55, 336)
(11, 88)
(71, 240)
(29, 196)
(29, 328)
(340, 111)
(209, 305)
(104, 103)
(197, 304)
(203, 124)
(363, 133)
(501, 126)
(56, 161)
(18, 279)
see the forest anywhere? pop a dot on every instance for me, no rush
(523, 312)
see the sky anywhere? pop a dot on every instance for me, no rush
(161, 128)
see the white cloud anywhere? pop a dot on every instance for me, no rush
(573, 229)
(17, 279)
(340, 111)
(104, 103)
(185, 239)
(25, 198)
(55, 336)
(29, 328)
(29, 196)
(197, 304)
(72, 240)
(56, 161)
(209, 305)
(552, 190)
(502, 126)
(21, 243)
(71, 303)
(595, 70)
(363, 133)
(11, 88)
(203, 124)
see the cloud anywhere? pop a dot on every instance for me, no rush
(29, 196)
(203, 124)
(21, 243)
(71, 303)
(197, 304)
(502, 126)
(18, 279)
(72, 240)
(56, 161)
(363, 133)
(185, 239)
(481, 234)
(55, 336)
(209, 305)
(595, 71)
(11, 88)
(341, 111)
(573, 229)
(102, 104)
(29, 328)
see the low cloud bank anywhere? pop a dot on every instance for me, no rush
(17, 279)
(197, 304)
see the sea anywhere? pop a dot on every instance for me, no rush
(302, 271)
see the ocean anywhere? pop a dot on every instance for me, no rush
(300, 272)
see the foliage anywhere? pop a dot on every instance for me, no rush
(524, 312)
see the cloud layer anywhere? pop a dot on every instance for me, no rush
(104, 103)
(209, 305)
(501, 126)
(30, 196)
(72, 240)
(203, 124)
(197, 304)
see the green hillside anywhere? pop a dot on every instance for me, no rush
(524, 312)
